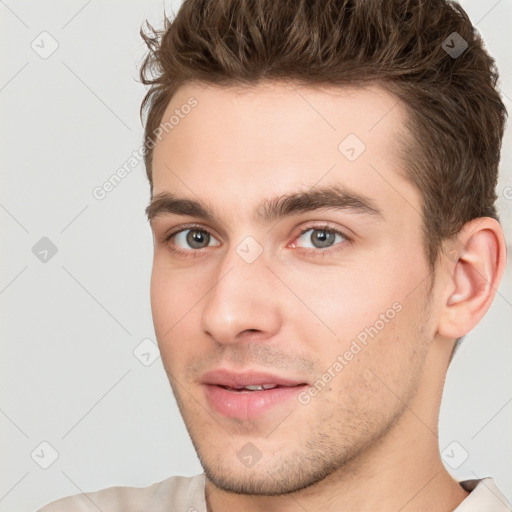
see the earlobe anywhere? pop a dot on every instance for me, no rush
(477, 263)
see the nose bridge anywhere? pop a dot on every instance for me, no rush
(242, 297)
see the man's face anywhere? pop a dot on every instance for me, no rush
(327, 303)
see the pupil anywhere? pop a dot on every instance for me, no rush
(322, 238)
(196, 238)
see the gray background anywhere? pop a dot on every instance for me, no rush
(70, 325)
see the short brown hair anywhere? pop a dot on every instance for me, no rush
(456, 115)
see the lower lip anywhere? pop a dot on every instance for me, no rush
(248, 404)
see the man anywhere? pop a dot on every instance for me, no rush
(323, 183)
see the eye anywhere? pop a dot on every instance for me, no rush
(192, 238)
(320, 237)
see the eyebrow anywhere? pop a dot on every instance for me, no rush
(331, 197)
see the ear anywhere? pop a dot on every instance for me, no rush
(476, 260)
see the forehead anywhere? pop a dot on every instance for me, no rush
(240, 144)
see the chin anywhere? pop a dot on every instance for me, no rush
(282, 478)
(259, 485)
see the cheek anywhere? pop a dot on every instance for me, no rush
(339, 303)
(374, 379)
(366, 321)
(170, 301)
(161, 300)
(170, 293)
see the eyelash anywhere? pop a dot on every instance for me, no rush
(194, 253)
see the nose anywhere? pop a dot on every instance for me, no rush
(242, 301)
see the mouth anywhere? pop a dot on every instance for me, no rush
(248, 395)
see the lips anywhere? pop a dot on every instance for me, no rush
(239, 380)
(249, 394)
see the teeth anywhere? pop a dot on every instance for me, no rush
(260, 387)
(256, 387)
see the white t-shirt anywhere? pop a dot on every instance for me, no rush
(186, 494)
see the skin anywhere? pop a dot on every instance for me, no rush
(373, 427)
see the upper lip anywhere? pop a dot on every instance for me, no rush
(224, 377)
